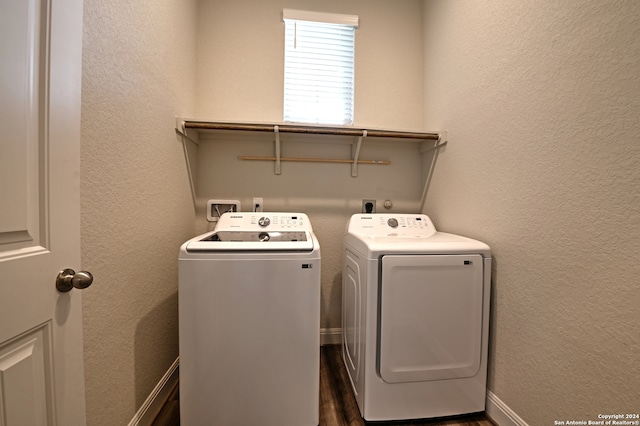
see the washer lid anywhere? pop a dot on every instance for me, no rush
(225, 240)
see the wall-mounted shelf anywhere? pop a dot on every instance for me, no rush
(190, 129)
(183, 126)
(306, 129)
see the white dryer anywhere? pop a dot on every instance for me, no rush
(249, 322)
(415, 318)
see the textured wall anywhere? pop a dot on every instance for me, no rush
(541, 100)
(139, 64)
(240, 77)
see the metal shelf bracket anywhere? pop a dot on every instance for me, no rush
(276, 131)
(355, 150)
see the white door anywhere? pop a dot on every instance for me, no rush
(41, 363)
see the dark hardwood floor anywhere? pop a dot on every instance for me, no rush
(338, 406)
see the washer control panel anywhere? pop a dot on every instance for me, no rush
(264, 221)
(392, 225)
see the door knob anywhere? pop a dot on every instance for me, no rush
(68, 279)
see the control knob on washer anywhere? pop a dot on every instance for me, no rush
(264, 221)
(264, 236)
(392, 222)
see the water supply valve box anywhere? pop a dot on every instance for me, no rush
(216, 208)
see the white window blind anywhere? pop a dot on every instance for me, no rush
(319, 67)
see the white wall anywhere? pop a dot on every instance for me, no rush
(240, 77)
(541, 100)
(138, 74)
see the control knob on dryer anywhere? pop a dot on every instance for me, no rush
(392, 222)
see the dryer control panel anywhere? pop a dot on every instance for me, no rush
(392, 225)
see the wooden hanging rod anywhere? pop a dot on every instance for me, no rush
(313, 160)
(316, 130)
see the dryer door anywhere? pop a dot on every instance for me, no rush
(430, 317)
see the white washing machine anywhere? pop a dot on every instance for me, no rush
(249, 311)
(415, 318)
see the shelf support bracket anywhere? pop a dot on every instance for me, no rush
(276, 131)
(355, 150)
(443, 139)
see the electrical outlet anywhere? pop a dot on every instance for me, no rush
(258, 204)
(368, 206)
(216, 208)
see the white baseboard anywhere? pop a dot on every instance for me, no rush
(151, 407)
(330, 336)
(500, 413)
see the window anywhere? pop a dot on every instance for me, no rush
(319, 67)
